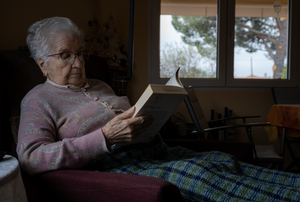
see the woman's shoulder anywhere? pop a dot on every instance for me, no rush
(36, 92)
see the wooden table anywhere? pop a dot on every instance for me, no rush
(285, 119)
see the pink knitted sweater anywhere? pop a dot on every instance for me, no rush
(60, 126)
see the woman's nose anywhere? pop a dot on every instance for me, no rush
(77, 62)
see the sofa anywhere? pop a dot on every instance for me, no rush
(19, 74)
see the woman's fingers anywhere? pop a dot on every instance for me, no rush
(123, 128)
(133, 126)
(140, 125)
(116, 125)
(127, 114)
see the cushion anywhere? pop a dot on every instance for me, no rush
(22, 74)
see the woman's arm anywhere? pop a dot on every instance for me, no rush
(39, 151)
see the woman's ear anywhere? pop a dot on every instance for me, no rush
(43, 66)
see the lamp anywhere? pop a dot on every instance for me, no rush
(124, 81)
(277, 7)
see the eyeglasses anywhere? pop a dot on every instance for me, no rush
(69, 57)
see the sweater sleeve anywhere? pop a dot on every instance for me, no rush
(39, 151)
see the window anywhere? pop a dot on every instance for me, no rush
(261, 40)
(188, 39)
(239, 44)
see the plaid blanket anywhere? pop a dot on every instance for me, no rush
(207, 176)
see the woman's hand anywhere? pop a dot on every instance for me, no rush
(123, 128)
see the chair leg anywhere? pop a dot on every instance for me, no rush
(249, 134)
(295, 160)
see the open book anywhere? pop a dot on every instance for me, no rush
(160, 101)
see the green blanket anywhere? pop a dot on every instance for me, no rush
(207, 176)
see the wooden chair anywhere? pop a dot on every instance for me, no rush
(262, 154)
(288, 96)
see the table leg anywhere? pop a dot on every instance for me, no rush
(282, 147)
(282, 141)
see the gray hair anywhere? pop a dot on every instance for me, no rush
(42, 34)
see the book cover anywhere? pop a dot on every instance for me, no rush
(160, 101)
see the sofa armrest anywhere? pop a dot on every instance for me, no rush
(241, 150)
(81, 185)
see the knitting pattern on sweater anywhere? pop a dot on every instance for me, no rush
(60, 127)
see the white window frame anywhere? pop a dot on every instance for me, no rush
(225, 58)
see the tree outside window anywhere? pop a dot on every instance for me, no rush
(252, 34)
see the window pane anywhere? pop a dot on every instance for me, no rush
(261, 39)
(188, 38)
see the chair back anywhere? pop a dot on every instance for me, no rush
(195, 110)
(286, 95)
(19, 74)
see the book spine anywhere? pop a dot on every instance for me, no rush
(211, 124)
(221, 135)
(226, 122)
(231, 131)
(213, 134)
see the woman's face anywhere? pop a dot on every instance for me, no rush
(58, 71)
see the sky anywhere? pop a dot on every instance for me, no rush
(242, 60)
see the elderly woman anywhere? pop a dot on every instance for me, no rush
(74, 122)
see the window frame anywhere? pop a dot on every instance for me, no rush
(225, 57)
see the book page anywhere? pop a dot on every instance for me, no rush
(160, 107)
(174, 80)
